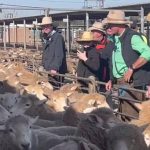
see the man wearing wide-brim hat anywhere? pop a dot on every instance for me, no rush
(46, 21)
(130, 59)
(88, 57)
(54, 57)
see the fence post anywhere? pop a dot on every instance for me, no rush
(92, 85)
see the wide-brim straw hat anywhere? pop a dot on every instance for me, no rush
(148, 17)
(46, 21)
(116, 17)
(87, 36)
(98, 26)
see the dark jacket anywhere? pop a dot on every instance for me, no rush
(141, 76)
(54, 54)
(105, 51)
(91, 66)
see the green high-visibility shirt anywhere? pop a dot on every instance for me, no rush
(119, 65)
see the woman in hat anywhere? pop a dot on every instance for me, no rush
(88, 58)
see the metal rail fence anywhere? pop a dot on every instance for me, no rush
(33, 63)
(93, 87)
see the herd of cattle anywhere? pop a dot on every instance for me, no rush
(35, 116)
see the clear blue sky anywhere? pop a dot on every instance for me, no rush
(60, 4)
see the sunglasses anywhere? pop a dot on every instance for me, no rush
(109, 26)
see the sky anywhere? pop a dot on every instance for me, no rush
(68, 4)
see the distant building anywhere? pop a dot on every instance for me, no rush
(16, 35)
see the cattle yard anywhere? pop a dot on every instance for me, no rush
(23, 68)
(65, 114)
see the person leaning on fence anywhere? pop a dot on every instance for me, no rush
(99, 35)
(88, 64)
(54, 53)
(130, 60)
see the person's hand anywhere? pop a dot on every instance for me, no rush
(128, 75)
(108, 85)
(81, 55)
(53, 72)
(148, 92)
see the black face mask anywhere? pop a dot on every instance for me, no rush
(87, 48)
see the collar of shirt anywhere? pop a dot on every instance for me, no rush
(51, 34)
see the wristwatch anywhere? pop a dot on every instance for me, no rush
(131, 67)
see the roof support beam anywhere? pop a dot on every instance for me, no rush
(14, 33)
(87, 20)
(68, 34)
(24, 22)
(142, 19)
(4, 35)
(8, 34)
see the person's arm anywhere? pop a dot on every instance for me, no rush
(93, 61)
(144, 56)
(143, 49)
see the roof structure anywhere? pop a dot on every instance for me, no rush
(146, 7)
(73, 15)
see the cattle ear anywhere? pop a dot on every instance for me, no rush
(69, 94)
(2, 128)
(95, 118)
(33, 120)
(66, 107)
(22, 91)
(143, 127)
(42, 102)
(84, 146)
(36, 100)
(32, 97)
(92, 102)
(68, 101)
(107, 131)
(74, 87)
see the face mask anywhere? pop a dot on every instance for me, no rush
(86, 48)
